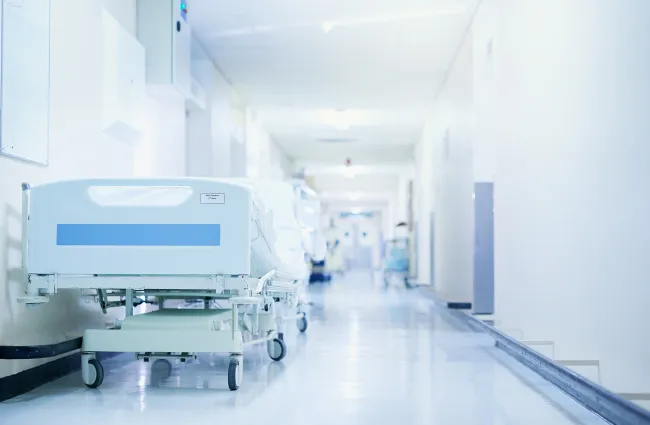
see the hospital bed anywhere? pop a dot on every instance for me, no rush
(122, 241)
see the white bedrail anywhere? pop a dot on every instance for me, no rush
(261, 284)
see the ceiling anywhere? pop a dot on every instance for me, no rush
(374, 136)
(297, 62)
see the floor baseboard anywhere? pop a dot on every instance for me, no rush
(23, 382)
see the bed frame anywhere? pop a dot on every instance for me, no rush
(123, 242)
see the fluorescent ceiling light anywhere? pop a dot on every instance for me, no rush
(343, 119)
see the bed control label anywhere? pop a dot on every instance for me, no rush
(213, 198)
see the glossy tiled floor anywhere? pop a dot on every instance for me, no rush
(371, 356)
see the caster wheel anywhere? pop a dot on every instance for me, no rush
(302, 324)
(161, 368)
(96, 374)
(277, 349)
(235, 370)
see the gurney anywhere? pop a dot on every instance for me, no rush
(128, 241)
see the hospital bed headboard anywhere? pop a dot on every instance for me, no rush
(181, 226)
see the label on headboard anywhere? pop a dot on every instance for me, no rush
(213, 198)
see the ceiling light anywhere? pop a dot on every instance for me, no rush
(336, 140)
(327, 27)
(353, 197)
(342, 120)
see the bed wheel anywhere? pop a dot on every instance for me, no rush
(94, 375)
(302, 323)
(235, 372)
(277, 349)
(162, 368)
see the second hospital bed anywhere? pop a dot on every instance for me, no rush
(127, 240)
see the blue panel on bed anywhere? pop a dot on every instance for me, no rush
(138, 234)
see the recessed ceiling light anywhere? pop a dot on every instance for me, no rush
(327, 27)
(337, 140)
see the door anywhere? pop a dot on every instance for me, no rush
(484, 248)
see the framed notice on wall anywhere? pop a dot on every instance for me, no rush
(25, 80)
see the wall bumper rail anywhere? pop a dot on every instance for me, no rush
(29, 352)
(606, 404)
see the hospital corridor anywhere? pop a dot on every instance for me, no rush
(325, 212)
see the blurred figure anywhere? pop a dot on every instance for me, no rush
(398, 256)
(335, 261)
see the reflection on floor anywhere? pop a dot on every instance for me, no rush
(372, 355)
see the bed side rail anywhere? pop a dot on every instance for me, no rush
(182, 226)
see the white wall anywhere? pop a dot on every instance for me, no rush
(162, 152)
(445, 185)
(391, 218)
(238, 143)
(264, 158)
(210, 131)
(424, 196)
(483, 93)
(397, 209)
(401, 212)
(573, 180)
(78, 148)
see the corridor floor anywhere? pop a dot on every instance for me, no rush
(371, 355)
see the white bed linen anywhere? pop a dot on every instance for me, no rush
(277, 242)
